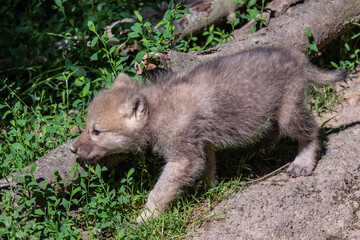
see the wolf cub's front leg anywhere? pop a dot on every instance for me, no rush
(177, 173)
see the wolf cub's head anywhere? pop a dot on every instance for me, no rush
(115, 123)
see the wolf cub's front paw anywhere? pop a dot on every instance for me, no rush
(146, 215)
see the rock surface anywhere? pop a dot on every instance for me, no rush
(325, 205)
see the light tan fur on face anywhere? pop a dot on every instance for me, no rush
(117, 115)
(229, 101)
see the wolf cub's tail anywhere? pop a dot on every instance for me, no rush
(324, 77)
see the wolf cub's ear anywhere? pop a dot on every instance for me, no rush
(123, 80)
(137, 107)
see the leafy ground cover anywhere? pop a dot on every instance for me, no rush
(54, 57)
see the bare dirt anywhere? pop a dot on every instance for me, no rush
(325, 205)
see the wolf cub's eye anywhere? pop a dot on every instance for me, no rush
(96, 132)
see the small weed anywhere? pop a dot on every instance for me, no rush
(252, 12)
(312, 46)
(99, 208)
(350, 53)
(323, 98)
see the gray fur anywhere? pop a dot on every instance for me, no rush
(229, 101)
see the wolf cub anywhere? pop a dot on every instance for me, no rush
(230, 101)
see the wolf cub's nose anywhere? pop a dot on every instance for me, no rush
(72, 149)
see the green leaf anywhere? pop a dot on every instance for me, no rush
(236, 21)
(94, 41)
(65, 203)
(91, 26)
(21, 122)
(154, 49)
(18, 146)
(211, 28)
(98, 170)
(33, 168)
(334, 65)
(139, 17)
(119, 67)
(51, 129)
(308, 32)
(29, 202)
(133, 35)
(347, 46)
(79, 81)
(6, 113)
(56, 174)
(145, 42)
(83, 174)
(78, 71)
(94, 57)
(166, 34)
(187, 11)
(76, 190)
(112, 49)
(313, 47)
(57, 202)
(251, 3)
(44, 182)
(71, 21)
(137, 29)
(355, 36)
(58, 2)
(209, 39)
(171, 5)
(4, 132)
(167, 15)
(92, 205)
(85, 90)
(125, 15)
(139, 56)
(131, 171)
(63, 182)
(32, 184)
(178, 16)
(39, 212)
(73, 173)
(147, 25)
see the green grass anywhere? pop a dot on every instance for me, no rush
(323, 99)
(96, 208)
(44, 92)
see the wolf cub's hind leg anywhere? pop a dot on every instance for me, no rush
(273, 137)
(304, 162)
(298, 123)
(209, 175)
